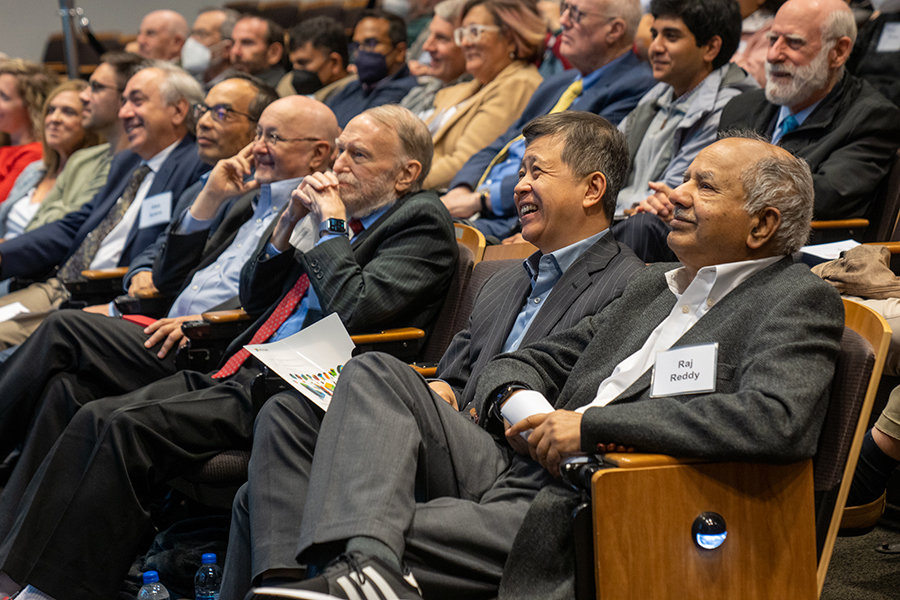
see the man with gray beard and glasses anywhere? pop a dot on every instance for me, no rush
(836, 122)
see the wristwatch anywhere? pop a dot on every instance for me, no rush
(336, 226)
(484, 194)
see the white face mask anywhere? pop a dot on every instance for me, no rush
(195, 57)
(886, 6)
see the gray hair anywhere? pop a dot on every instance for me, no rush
(838, 24)
(782, 182)
(415, 139)
(449, 10)
(178, 85)
(628, 10)
(590, 144)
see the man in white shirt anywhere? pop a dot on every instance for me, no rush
(394, 464)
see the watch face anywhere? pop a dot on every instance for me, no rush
(336, 225)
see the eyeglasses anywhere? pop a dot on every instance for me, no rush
(368, 45)
(471, 33)
(575, 13)
(219, 112)
(272, 139)
(97, 87)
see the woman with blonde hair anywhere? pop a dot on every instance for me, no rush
(35, 195)
(501, 40)
(24, 86)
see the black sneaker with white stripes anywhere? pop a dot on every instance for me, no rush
(351, 576)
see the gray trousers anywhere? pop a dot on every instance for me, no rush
(393, 461)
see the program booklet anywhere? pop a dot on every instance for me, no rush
(310, 360)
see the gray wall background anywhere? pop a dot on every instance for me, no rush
(25, 25)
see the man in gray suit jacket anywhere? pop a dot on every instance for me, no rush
(400, 478)
(578, 270)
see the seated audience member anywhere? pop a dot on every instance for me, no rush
(446, 66)
(111, 229)
(162, 34)
(395, 464)
(201, 261)
(206, 53)
(840, 125)
(500, 40)
(608, 79)
(693, 40)
(394, 272)
(757, 18)
(258, 49)
(62, 135)
(578, 270)
(552, 62)
(319, 57)
(876, 54)
(378, 50)
(24, 86)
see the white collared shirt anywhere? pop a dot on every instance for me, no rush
(113, 244)
(693, 300)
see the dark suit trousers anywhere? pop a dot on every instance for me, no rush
(74, 358)
(395, 462)
(84, 516)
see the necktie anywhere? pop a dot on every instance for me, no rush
(789, 124)
(81, 260)
(564, 102)
(284, 309)
(355, 226)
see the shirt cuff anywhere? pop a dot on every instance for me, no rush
(188, 224)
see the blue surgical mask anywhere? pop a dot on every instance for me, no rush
(371, 67)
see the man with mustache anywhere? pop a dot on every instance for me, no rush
(838, 123)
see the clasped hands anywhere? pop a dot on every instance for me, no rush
(317, 194)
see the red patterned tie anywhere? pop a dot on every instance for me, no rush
(284, 309)
(355, 226)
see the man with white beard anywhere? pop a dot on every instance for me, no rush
(839, 124)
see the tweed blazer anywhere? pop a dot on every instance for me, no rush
(779, 337)
(485, 112)
(593, 281)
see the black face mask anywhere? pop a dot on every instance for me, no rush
(306, 82)
(371, 67)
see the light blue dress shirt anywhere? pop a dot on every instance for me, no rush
(220, 281)
(511, 165)
(783, 114)
(294, 323)
(544, 272)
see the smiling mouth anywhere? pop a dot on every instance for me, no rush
(527, 209)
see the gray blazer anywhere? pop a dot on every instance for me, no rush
(779, 336)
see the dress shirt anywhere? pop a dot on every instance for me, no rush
(783, 114)
(693, 300)
(544, 271)
(113, 244)
(651, 159)
(220, 281)
(294, 323)
(516, 151)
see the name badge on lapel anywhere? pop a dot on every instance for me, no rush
(156, 210)
(685, 370)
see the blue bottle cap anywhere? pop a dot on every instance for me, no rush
(208, 559)
(151, 577)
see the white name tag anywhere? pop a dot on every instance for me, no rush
(156, 210)
(685, 370)
(890, 38)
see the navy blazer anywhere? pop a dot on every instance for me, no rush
(612, 97)
(36, 253)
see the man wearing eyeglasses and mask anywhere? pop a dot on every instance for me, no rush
(206, 53)
(378, 50)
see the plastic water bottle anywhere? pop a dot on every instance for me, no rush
(152, 588)
(208, 579)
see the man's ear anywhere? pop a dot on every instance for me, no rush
(839, 55)
(179, 111)
(409, 172)
(321, 159)
(617, 29)
(274, 53)
(596, 189)
(765, 225)
(713, 47)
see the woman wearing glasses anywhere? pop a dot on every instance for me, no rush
(35, 199)
(24, 86)
(501, 39)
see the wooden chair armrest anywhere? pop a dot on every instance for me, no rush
(150, 295)
(94, 274)
(389, 335)
(635, 460)
(425, 371)
(839, 224)
(225, 316)
(893, 247)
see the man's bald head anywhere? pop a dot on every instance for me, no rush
(162, 35)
